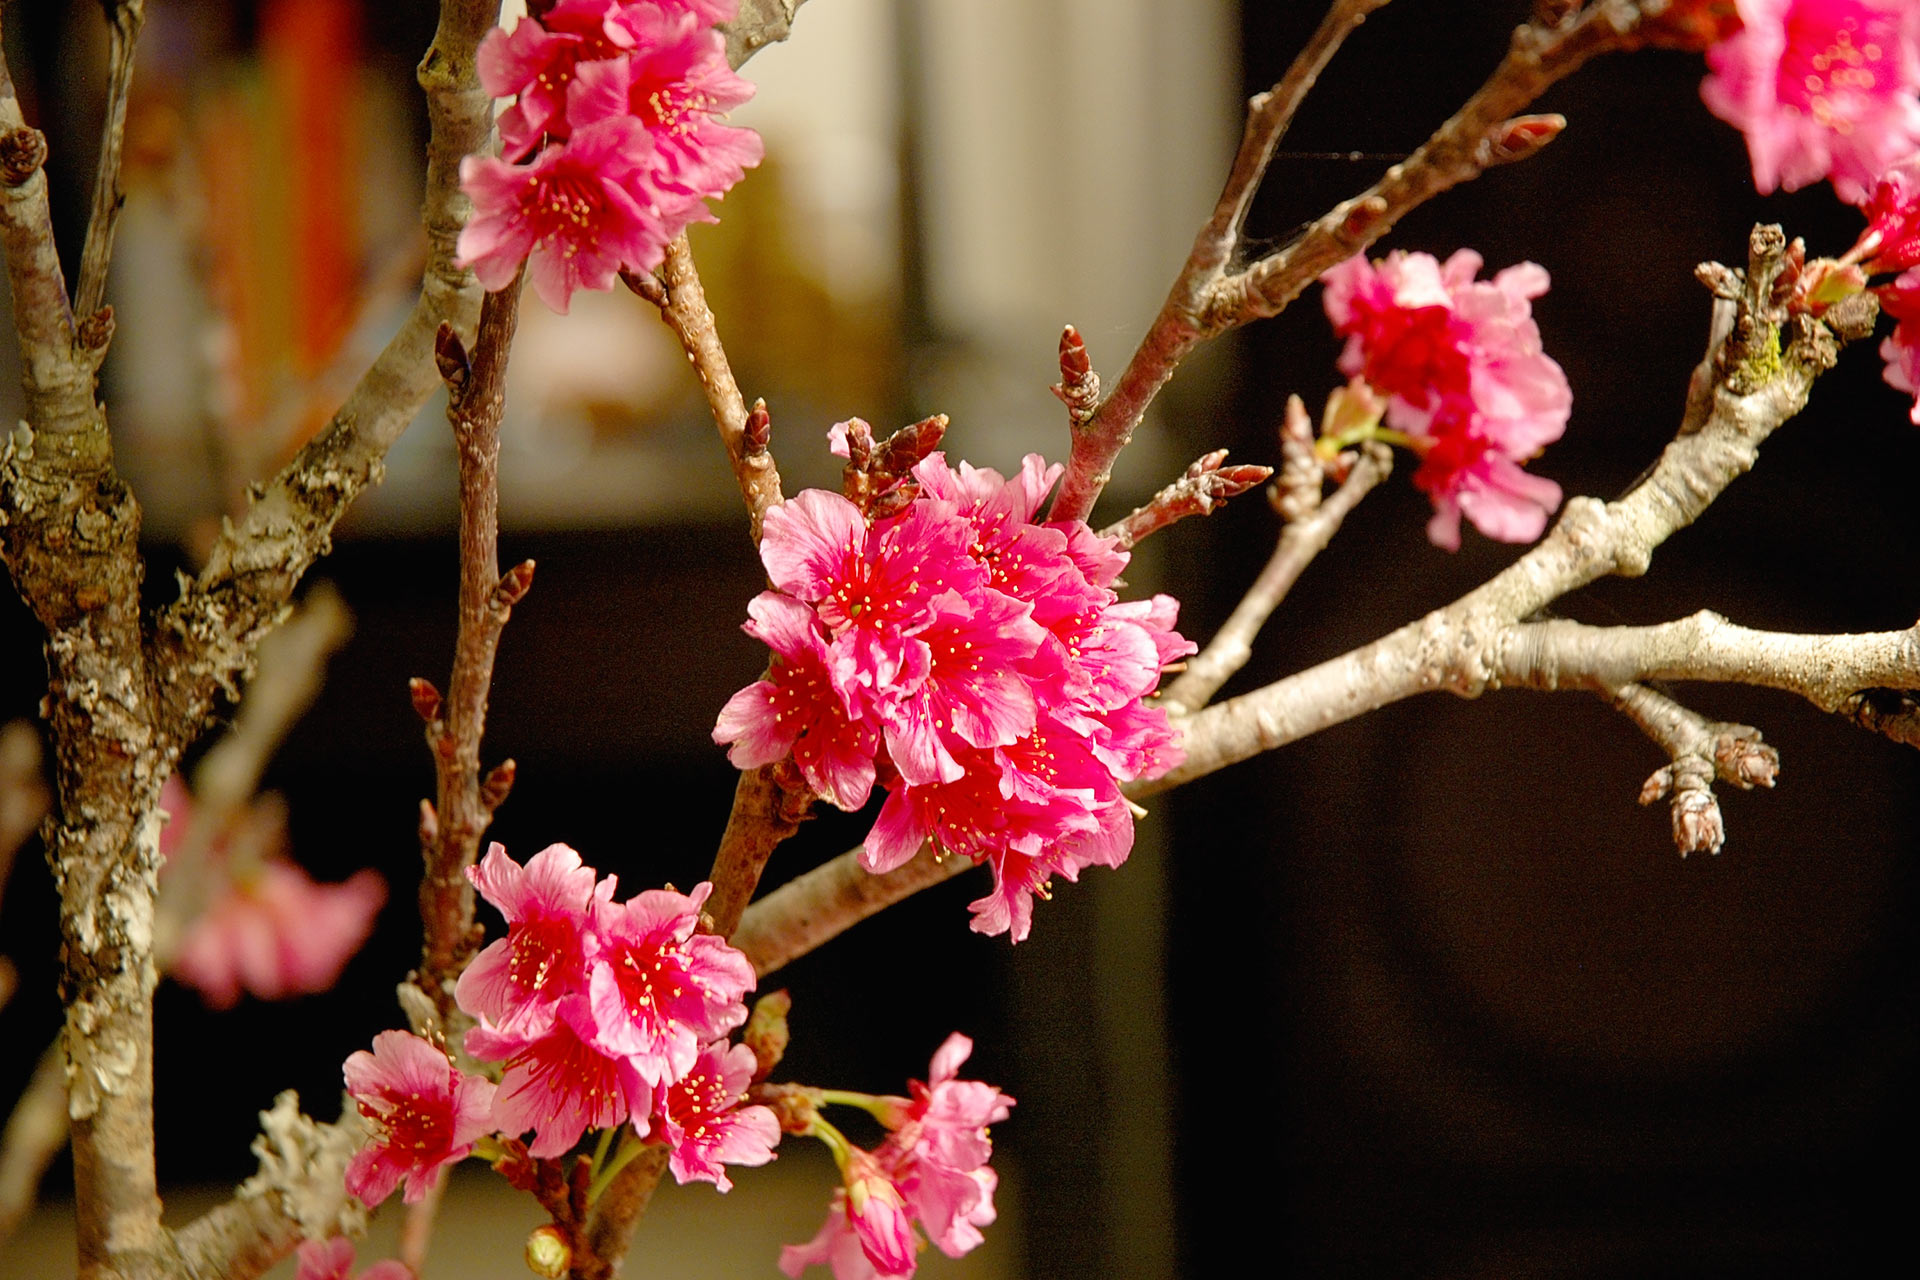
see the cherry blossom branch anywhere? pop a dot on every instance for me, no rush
(1098, 440)
(1698, 750)
(757, 24)
(1763, 366)
(825, 902)
(683, 305)
(1211, 297)
(465, 802)
(1204, 486)
(1300, 541)
(124, 19)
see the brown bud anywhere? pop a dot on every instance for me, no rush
(549, 1252)
(514, 585)
(759, 429)
(1723, 281)
(1521, 136)
(1074, 361)
(426, 698)
(429, 825)
(498, 782)
(450, 355)
(96, 331)
(1658, 783)
(859, 443)
(766, 1031)
(900, 452)
(1362, 217)
(1551, 13)
(22, 152)
(1697, 824)
(1746, 762)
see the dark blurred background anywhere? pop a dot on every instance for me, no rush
(1425, 995)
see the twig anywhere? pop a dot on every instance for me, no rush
(686, 313)
(1300, 541)
(1204, 486)
(464, 801)
(35, 1132)
(1098, 441)
(1697, 749)
(1209, 297)
(124, 19)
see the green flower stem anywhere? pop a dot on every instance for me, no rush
(600, 1150)
(630, 1147)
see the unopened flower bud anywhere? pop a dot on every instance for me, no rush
(426, 698)
(1746, 762)
(548, 1252)
(759, 429)
(766, 1032)
(514, 585)
(498, 782)
(1697, 824)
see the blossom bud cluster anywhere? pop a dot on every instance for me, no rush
(1466, 382)
(976, 665)
(602, 1014)
(613, 144)
(931, 1169)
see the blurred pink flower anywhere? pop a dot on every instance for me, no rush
(1901, 350)
(425, 1114)
(274, 932)
(703, 1124)
(332, 1259)
(1821, 89)
(1466, 380)
(1891, 241)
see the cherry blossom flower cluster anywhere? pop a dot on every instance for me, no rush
(974, 663)
(601, 1014)
(613, 144)
(931, 1169)
(269, 929)
(332, 1259)
(1466, 383)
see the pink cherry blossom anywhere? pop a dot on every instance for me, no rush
(940, 1148)
(703, 1124)
(558, 1084)
(517, 982)
(275, 933)
(1466, 379)
(1891, 241)
(535, 62)
(657, 990)
(333, 1260)
(1821, 89)
(571, 215)
(797, 710)
(425, 1114)
(676, 82)
(1901, 350)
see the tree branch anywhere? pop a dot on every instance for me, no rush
(476, 400)
(1762, 369)
(1177, 329)
(124, 19)
(1300, 541)
(1697, 750)
(1204, 486)
(684, 308)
